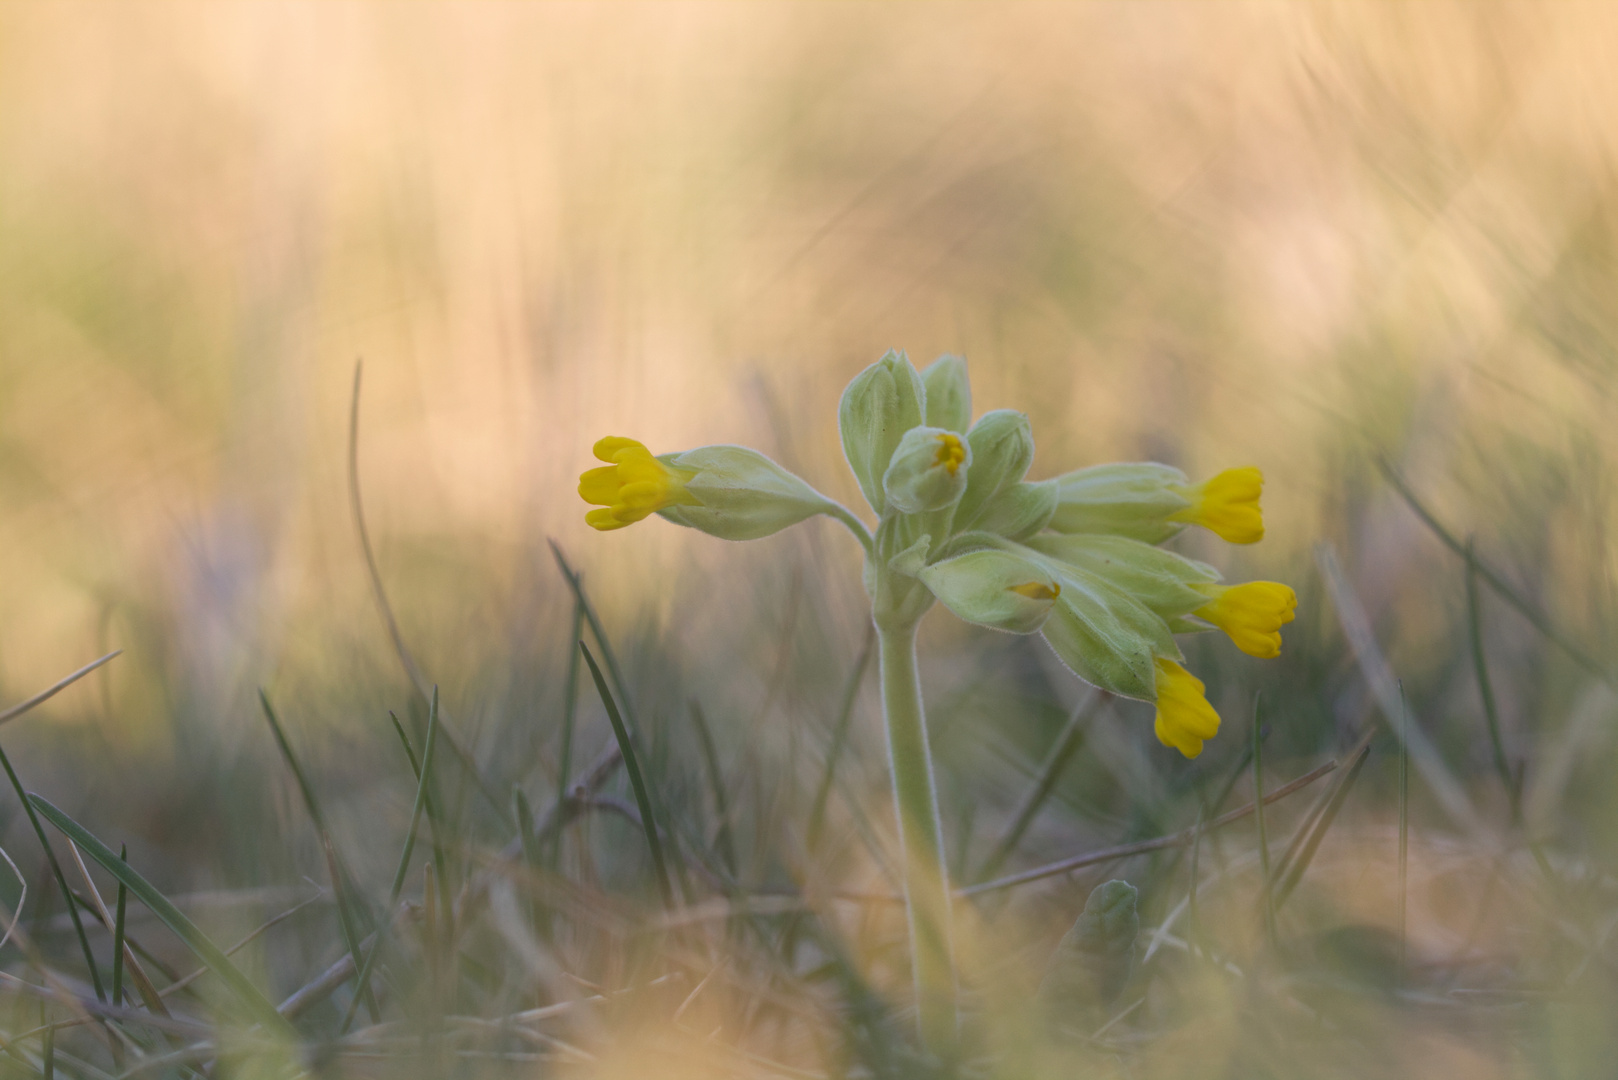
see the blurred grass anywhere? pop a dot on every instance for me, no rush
(1301, 237)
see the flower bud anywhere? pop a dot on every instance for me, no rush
(740, 494)
(1019, 511)
(995, 588)
(1171, 585)
(949, 394)
(882, 403)
(1002, 449)
(928, 471)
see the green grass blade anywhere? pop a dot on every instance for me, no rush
(1067, 744)
(422, 782)
(636, 781)
(716, 781)
(1267, 894)
(118, 934)
(341, 884)
(1480, 665)
(839, 738)
(575, 581)
(1496, 582)
(1404, 829)
(1323, 824)
(61, 879)
(570, 714)
(172, 917)
(439, 860)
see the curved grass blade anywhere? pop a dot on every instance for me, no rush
(834, 753)
(45, 695)
(716, 780)
(61, 879)
(118, 934)
(256, 1003)
(575, 581)
(422, 782)
(636, 781)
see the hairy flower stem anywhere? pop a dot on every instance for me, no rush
(927, 895)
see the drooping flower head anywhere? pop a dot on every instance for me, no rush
(1074, 558)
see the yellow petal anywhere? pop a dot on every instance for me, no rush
(1184, 717)
(607, 449)
(1227, 504)
(599, 486)
(1252, 614)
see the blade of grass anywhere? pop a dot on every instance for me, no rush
(575, 582)
(1404, 833)
(1067, 744)
(380, 594)
(1323, 824)
(1267, 894)
(1480, 665)
(1142, 847)
(118, 934)
(45, 695)
(427, 755)
(439, 858)
(342, 891)
(839, 738)
(570, 713)
(171, 916)
(98, 908)
(716, 782)
(61, 879)
(1495, 581)
(636, 781)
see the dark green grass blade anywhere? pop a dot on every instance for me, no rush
(1267, 892)
(1323, 824)
(422, 782)
(1480, 665)
(637, 782)
(342, 890)
(1404, 826)
(575, 582)
(570, 713)
(1067, 744)
(172, 917)
(839, 738)
(1496, 582)
(716, 780)
(439, 858)
(61, 879)
(118, 934)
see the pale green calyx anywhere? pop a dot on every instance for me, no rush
(995, 588)
(739, 494)
(883, 402)
(949, 394)
(1134, 500)
(1002, 445)
(928, 471)
(1164, 582)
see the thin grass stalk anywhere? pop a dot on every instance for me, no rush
(570, 712)
(716, 783)
(637, 782)
(1267, 893)
(431, 807)
(575, 582)
(118, 934)
(839, 738)
(1322, 825)
(428, 753)
(1480, 665)
(61, 879)
(1404, 834)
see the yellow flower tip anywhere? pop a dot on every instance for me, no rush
(634, 486)
(1252, 614)
(1227, 505)
(951, 454)
(1035, 590)
(1184, 717)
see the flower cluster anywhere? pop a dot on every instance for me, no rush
(1076, 558)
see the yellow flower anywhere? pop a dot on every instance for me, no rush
(1252, 614)
(1226, 504)
(635, 485)
(1184, 717)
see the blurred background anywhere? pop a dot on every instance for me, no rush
(1301, 237)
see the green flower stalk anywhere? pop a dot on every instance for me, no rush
(1075, 559)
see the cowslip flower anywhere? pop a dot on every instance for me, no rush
(1075, 558)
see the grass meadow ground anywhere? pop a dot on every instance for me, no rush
(1371, 249)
